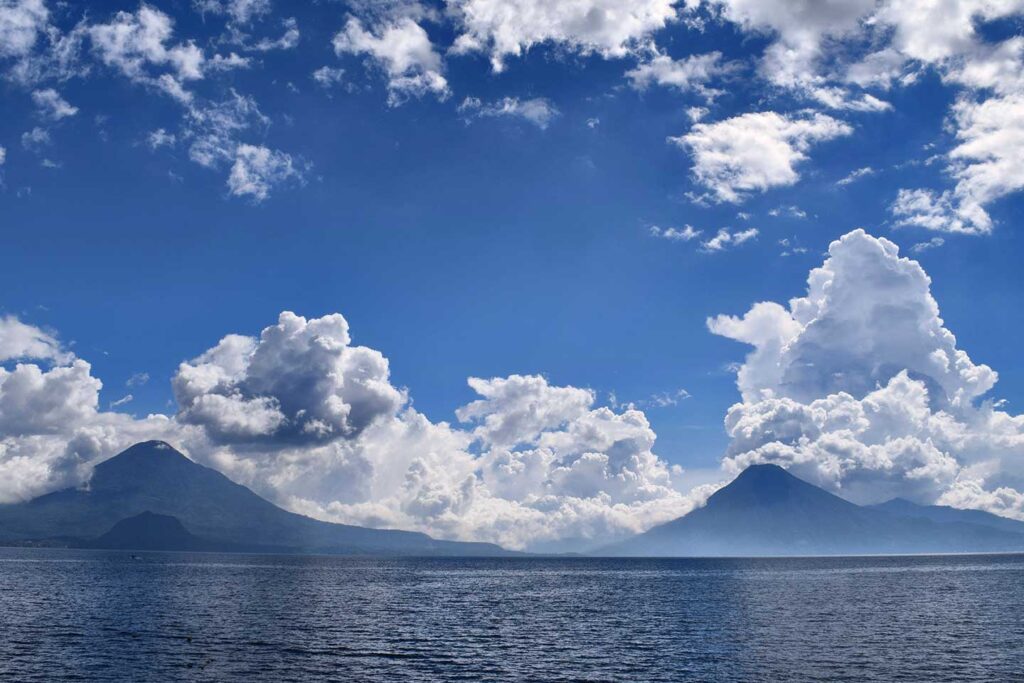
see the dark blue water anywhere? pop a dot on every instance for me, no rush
(105, 616)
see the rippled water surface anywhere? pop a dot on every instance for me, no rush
(94, 615)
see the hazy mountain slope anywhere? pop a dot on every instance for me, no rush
(767, 511)
(153, 477)
(944, 514)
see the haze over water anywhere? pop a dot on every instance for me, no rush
(98, 615)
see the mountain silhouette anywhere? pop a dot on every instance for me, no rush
(154, 478)
(149, 531)
(767, 511)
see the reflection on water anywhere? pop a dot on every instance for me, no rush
(163, 616)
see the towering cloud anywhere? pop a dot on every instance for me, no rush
(314, 423)
(301, 382)
(858, 386)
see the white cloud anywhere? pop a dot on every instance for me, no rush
(232, 61)
(52, 105)
(3, 155)
(933, 243)
(696, 114)
(859, 387)
(36, 138)
(504, 28)
(792, 211)
(257, 169)
(240, 11)
(835, 97)
(791, 247)
(821, 49)
(134, 42)
(21, 22)
(518, 409)
(724, 239)
(215, 129)
(161, 138)
(20, 340)
(755, 151)
(403, 51)
(986, 164)
(690, 74)
(684, 234)
(124, 400)
(799, 28)
(327, 76)
(538, 110)
(855, 175)
(142, 46)
(138, 379)
(287, 41)
(301, 382)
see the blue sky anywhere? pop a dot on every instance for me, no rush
(462, 234)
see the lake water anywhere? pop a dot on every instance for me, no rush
(93, 615)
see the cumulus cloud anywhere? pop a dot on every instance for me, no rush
(821, 48)
(799, 29)
(754, 152)
(551, 467)
(986, 164)
(20, 340)
(610, 28)
(51, 105)
(402, 49)
(832, 52)
(859, 387)
(538, 110)
(690, 74)
(314, 423)
(300, 382)
(51, 430)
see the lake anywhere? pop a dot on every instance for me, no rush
(94, 615)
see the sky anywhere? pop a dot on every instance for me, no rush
(536, 273)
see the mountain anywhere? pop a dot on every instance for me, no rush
(154, 478)
(767, 511)
(148, 531)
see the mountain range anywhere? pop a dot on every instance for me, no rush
(151, 497)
